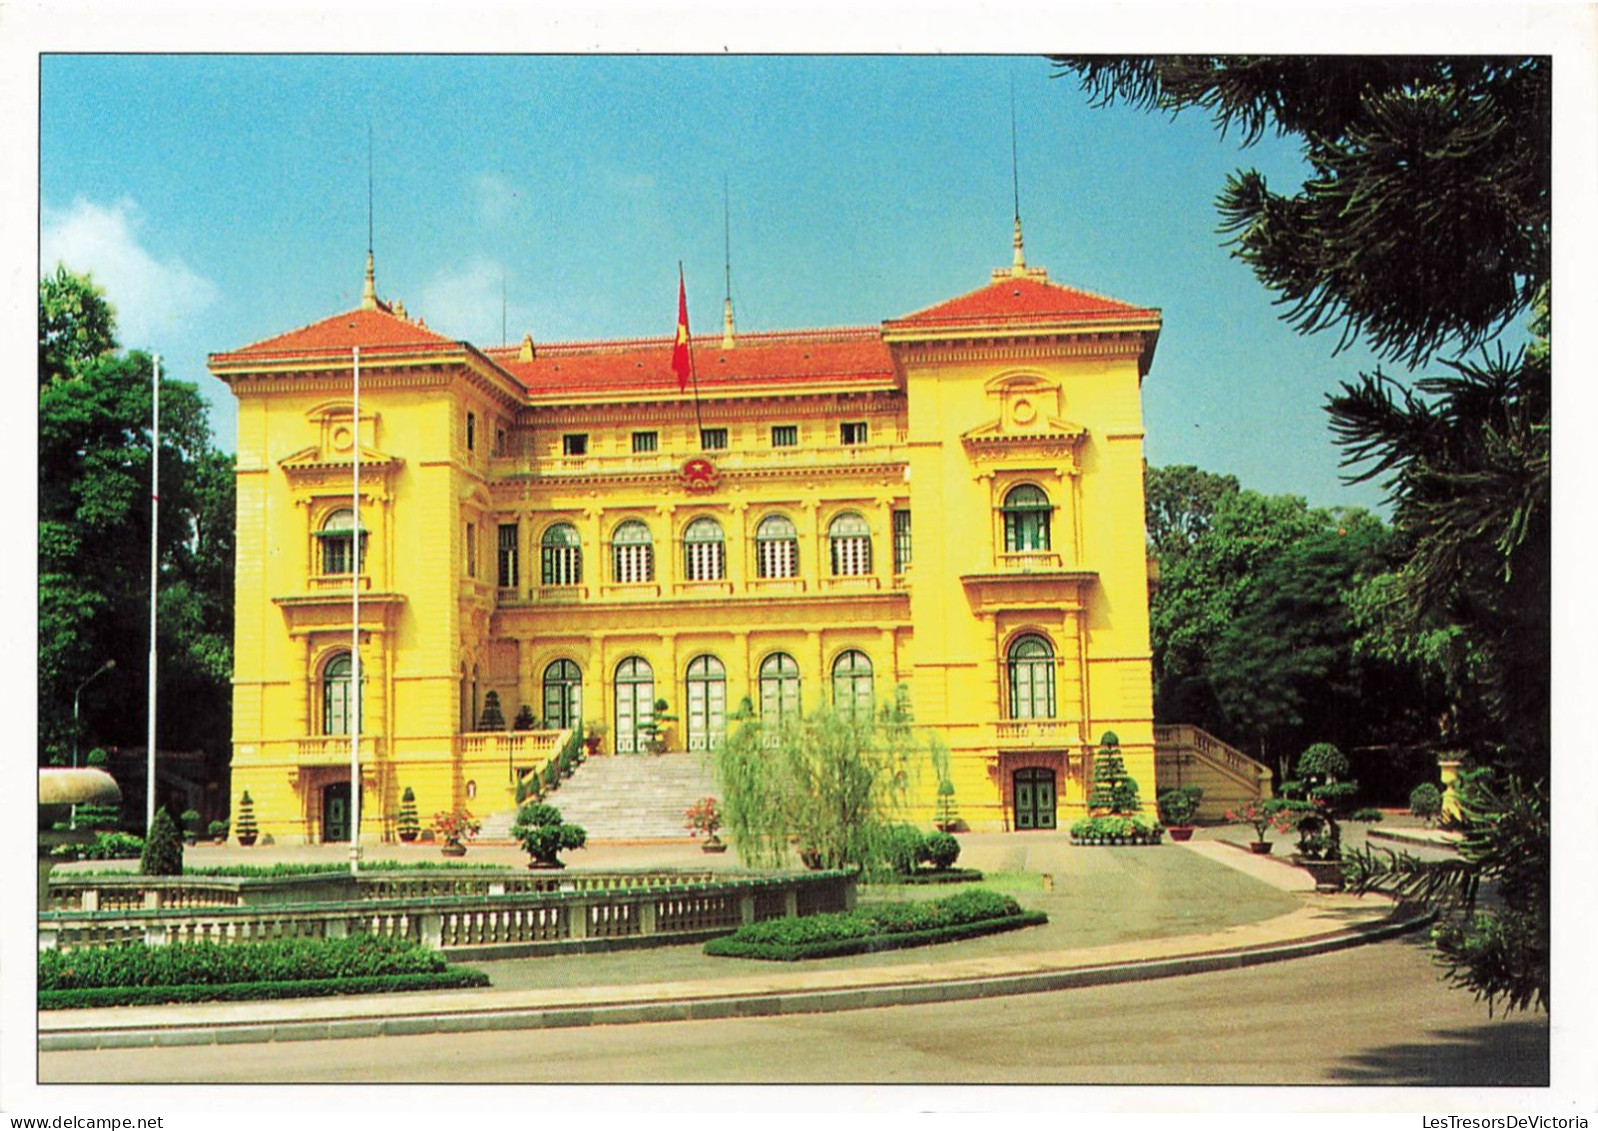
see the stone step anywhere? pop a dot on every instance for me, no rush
(625, 797)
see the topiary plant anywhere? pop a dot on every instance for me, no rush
(245, 826)
(1322, 763)
(1114, 791)
(545, 836)
(492, 717)
(524, 719)
(163, 848)
(409, 825)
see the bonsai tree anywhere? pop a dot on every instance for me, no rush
(1114, 790)
(217, 830)
(163, 848)
(1317, 798)
(491, 718)
(456, 827)
(191, 825)
(409, 824)
(545, 836)
(654, 731)
(246, 824)
(524, 719)
(704, 816)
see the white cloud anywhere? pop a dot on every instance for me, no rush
(497, 200)
(464, 302)
(154, 297)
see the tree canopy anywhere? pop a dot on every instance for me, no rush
(1423, 227)
(94, 539)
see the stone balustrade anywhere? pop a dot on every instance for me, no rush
(488, 913)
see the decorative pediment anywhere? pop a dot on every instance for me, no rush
(1052, 441)
(313, 468)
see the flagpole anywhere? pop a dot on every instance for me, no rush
(155, 514)
(356, 565)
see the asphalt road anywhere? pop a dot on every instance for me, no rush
(1372, 1015)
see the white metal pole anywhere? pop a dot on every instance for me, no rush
(355, 626)
(155, 514)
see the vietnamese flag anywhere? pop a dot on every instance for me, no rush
(681, 363)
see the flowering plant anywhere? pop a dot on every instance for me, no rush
(1262, 817)
(456, 827)
(704, 816)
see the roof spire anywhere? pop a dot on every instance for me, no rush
(1018, 267)
(369, 291)
(727, 342)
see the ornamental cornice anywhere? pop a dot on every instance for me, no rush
(731, 478)
(1114, 347)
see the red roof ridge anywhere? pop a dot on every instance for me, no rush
(416, 333)
(698, 341)
(1030, 290)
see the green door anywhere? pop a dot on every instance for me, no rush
(336, 812)
(1034, 799)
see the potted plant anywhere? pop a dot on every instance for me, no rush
(1262, 815)
(593, 737)
(1177, 807)
(191, 826)
(246, 825)
(545, 836)
(454, 829)
(217, 831)
(409, 825)
(655, 730)
(704, 816)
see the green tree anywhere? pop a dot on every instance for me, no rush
(1180, 505)
(1423, 227)
(94, 538)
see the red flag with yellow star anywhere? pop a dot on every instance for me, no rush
(681, 363)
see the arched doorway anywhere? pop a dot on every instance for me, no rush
(707, 702)
(635, 703)
(1034, 799)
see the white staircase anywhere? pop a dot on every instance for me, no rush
(625, 797)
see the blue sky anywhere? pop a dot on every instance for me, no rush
(222, 199)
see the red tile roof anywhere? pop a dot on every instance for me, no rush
(377, 330)
(855, 356)
(1011, 301)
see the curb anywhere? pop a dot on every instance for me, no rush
(735, 1004)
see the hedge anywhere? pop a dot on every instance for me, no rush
(213, 964)
(876, 928)
(93, 997)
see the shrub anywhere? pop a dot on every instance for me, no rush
(544, 835)
(877, 927)
(97, 759)
(163, 850)
(1177, 806)
(902, 848)
(99, 816)
(111, 846)
(191, 822)
(1368, 815)
(1107, 829)
(1426, 801)
(452, 979)
(217, 830)
(1114, 790)
(941, 851)
(524, 719)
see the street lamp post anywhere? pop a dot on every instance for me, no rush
(98, 672)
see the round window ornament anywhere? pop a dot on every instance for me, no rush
(1024, 412)
(341, 438)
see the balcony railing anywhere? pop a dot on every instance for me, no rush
(518, 747)
(1037, 732)
(1030, 561)
(334, 749)
(823, 455)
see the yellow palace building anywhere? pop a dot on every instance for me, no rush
(951, 500)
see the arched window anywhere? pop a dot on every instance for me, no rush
(635, 703)
(563, 695)
(704, 551)
(1031, 670)
(853, 693)
(779, 687)
(562, 555)
(850, 539)
(776, 547)
(707, 702)
(633, 553)
(338, 542)
(1026, 513)
(338, 708)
